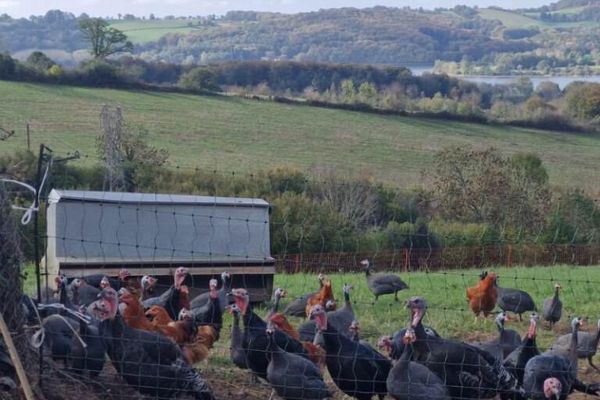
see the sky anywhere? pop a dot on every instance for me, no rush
(103, 8)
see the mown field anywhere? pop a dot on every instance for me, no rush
(235, 134)
(448, 312)
(142, 31)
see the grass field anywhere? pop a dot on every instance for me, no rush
(228, 133)
(512, 19)
(139, 31)
(448, 312)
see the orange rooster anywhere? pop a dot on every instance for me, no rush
(180, 331)
(482, 297)
(321, 298)
(315, 353)
(133, 311)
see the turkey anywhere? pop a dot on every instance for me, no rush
(394, 345)
(552, 308)
(172, 299)
(357, 370)
(83, 293)
(342, 318)
(147, 361)
(549, 376)
(515, 362)
(468, 372)
(117, 283)
(255, 340)
(236, 350)
(587, 345)
(409, 380)
(293, 377)
(381, 284)
(201, 301)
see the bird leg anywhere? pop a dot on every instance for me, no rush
(396, 296)
(521, 317)
(272, 396)
(592, 364)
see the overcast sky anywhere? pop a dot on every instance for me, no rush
(25, 8)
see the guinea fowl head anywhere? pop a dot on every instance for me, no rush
(409, 336)
(552, 388)
(318, 314)
(148, 282)
(365, 264)
(109, 303)
(279, 293)
(185, 315)
(577, 323)
(124, 274)
(179, 277)
(330, 305)
(347, 288)
(557, 286)
(501, 318)
(104, 282)
(225, 276)
(354, 326)
(242, 299)
(60, 281)
(417, 306)
(77, 282)
(233, 309)
(385, 343)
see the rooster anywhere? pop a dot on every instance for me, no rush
(133, 312)
(321, 298)
(482, 297)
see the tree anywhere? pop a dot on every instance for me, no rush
(40, 61)
(199, 79)
(583, 101)
(103, 39)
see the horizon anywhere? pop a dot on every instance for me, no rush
(178, 8)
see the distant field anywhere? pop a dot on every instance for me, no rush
(141, 31)
(509, 19)
(233, 134)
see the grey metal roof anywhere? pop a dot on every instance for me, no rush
(57, 195)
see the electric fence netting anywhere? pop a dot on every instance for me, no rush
(200, 283)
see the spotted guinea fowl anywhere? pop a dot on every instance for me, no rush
(587, 345)
(506, 342)
(550, 376)
(552, 308)
(514, 300)
(83, 293)
(381, 284)
(147, 361)
(255, 338)
(515, 362)
(297, 307)
(468, 372)
(293, 377)
(357, 370)
(409, 380)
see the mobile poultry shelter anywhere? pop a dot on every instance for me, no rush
(92, 232)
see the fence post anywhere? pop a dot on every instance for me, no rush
(509, 260)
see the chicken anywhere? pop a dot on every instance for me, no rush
(482, 297)
(133, 312)
(324, 295)
(315, 353)
(175, 298)
(180, 331)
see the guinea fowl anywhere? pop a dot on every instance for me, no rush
(409, 380)
(277, 296)
(297, 307)
(147, 361)
(468, 372)
(148, 284)
(89, 358)
(357, 370)
(506, 342)
(172, 299)
(201, 301)
(255, 340)
(342, 318)
(514, 300)
(83, 293)
(293, 377)
(394, 344)
(552, 308)
(381, 284)
(515, 362)
(236, 351)
(587, 345)
(550, 376)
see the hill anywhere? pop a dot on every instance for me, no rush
(230, 133)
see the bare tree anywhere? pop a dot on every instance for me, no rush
(109, 147)
(355, 199)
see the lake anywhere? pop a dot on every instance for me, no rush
(561, 81)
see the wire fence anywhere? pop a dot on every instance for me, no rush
(212, 257)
